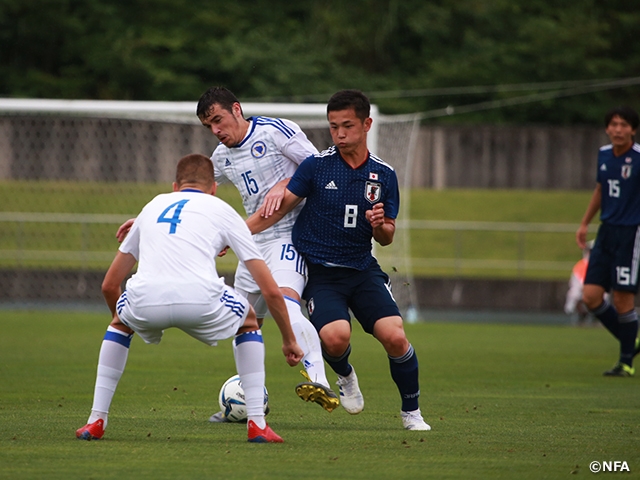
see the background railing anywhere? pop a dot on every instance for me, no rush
(460, 248)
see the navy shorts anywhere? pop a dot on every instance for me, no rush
(613, 262)
(332, 291)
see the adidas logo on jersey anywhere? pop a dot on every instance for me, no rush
(603, 168)
(330, 186)
(227, 162)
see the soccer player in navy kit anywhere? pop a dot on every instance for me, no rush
(351, 197)
(614, 260)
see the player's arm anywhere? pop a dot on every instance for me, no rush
(123, 230)
(296, 148)
(592, 209)
(112, 283)
(275, 302)
(384, 228)
(273, 198)
(258, 223)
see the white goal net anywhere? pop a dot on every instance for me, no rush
(72, 170)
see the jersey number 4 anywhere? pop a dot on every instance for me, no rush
(175, 219)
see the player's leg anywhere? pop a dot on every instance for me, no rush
(327, 304)
(376, 310)
(601, 308)
(307, 338)
(247, 287)
(290, 273)
(336, 341)
(627, 333)
(624, 273)
(228, 316)
(149, 324)
(249, 357)
(111, 363)
(598, 280)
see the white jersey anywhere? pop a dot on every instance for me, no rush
(176, 239)
(270, 152)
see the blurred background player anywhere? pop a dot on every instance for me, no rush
(351, 197)
(175, 240)
(614, 259)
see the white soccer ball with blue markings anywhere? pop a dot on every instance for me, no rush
(231, 399)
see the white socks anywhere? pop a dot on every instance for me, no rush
(308, 339)
(249, 355)
(111, 362)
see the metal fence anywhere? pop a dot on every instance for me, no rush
(20, 249)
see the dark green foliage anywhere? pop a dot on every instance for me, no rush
(302, 51)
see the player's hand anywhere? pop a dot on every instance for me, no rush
(581, 236)
(273, 200)
(375, 216)
(293, 353)
(122, 232)
(224, 251)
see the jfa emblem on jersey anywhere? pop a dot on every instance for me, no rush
(258, 149)
(372, 192)
(626, 171)
(310, 306)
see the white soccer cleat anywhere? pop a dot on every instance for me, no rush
(350, 395)
(414, 421)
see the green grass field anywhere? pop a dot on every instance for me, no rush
(55, 245)
(504, 401)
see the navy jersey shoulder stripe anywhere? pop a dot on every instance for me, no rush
(380, 161)
(636, 147)
(326, 153)
(276, 123)
(604, 148)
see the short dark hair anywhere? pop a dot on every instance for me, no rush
(220, 95)
(628, 114)
(345, 99)
(195, 169)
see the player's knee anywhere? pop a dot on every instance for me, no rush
(250, 323)
(592, 297)
(335, 340)
(395, 343)
(118, 325)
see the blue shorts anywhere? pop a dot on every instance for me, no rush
(332, 291)
(614, 259)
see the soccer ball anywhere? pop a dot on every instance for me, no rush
(231, 399)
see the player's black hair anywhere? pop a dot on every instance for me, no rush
(628, 114)
(220, 95)
(195, 169)
(345, 99)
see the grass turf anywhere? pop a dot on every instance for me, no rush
(504, 401)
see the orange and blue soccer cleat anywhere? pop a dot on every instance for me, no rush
(91, 431)
(265, 435)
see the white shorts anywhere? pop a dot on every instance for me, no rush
(208, 323)
(287, 267)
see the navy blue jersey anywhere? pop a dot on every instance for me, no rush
(620, 181)
(332, 229)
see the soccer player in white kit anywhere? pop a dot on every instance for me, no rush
(175, 241)
(256, 155)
